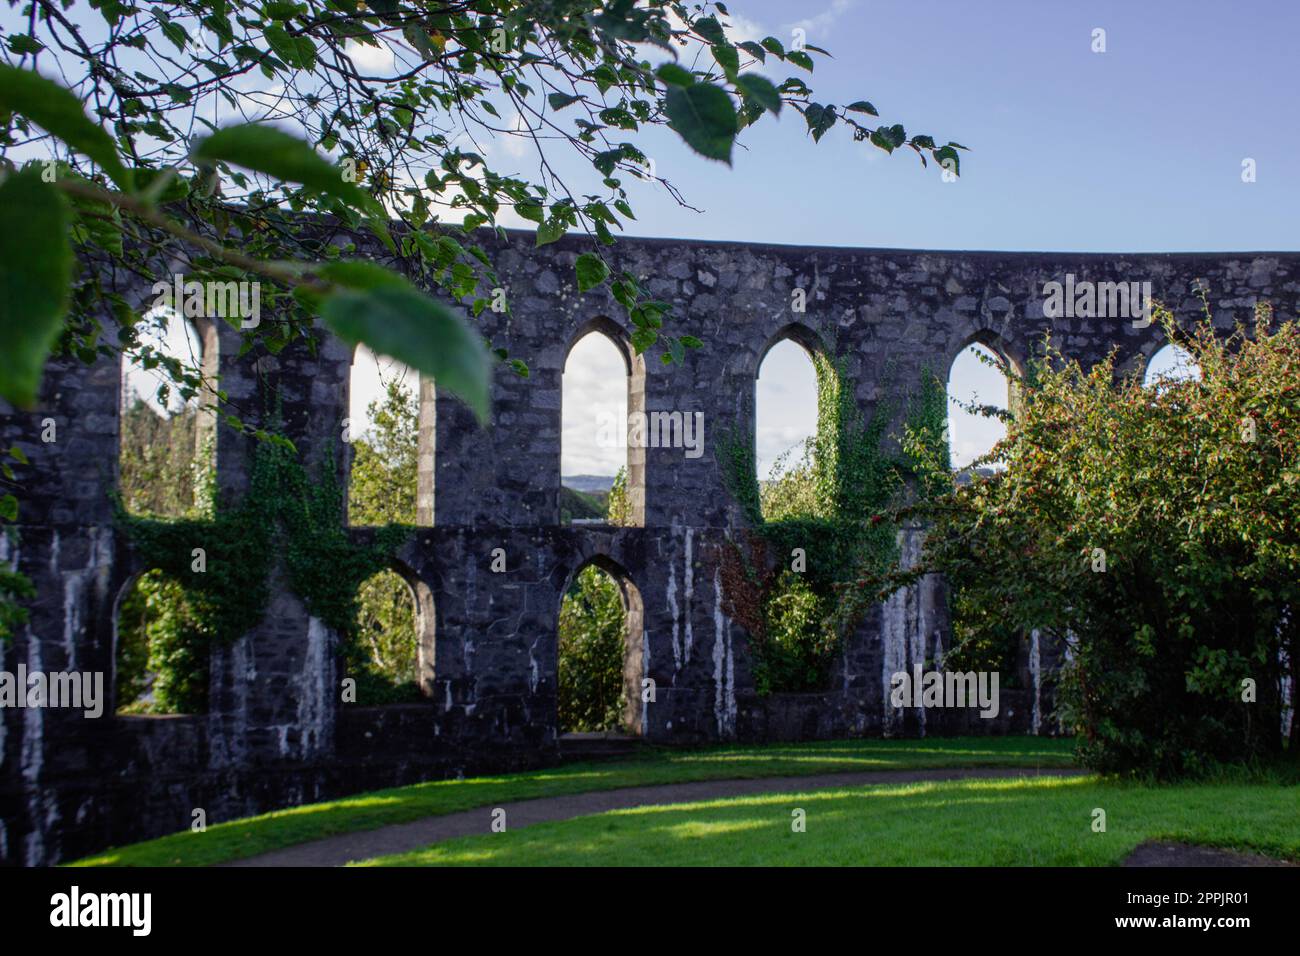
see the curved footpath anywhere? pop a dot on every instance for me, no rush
(404, 837)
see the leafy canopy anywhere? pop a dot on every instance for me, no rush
(1154, 531)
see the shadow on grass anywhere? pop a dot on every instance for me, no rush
(239, 839)
(1024, 822)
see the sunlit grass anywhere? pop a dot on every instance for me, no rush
(1013, 822)
(251, 836)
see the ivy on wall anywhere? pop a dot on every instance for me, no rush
(288, 523)
(818, 526)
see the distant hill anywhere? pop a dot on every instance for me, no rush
(966, 474)
(588, 483)
(582, 506)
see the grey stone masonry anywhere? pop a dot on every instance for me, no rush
(277, 733)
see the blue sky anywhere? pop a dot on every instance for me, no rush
(1135, 149)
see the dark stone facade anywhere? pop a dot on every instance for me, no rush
(277, 734)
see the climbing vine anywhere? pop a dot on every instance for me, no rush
(287, 523)
(818, 526)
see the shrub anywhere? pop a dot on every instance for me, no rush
(1157, 533)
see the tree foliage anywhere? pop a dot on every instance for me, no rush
(385, 462)
(161, 662)
(382, 490)
(164, 468)
(618, 510)
(371, 111)
(1156, 532)
(161, 659)
(591, 634)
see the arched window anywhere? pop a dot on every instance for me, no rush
(1170, 363)
(602, 451)
(166, 451)
(976, 379)
(160, 649)
(785, 426)
(600, 653)
(384, 430)
(390, 653)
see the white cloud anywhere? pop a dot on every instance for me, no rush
(373, 60)
(785, 404)
(817, 27)
(369, 380)
(594, 392)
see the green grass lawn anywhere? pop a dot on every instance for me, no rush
(253, 835)
(1025, 822)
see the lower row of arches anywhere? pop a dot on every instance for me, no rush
(161, 666)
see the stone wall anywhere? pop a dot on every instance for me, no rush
(276, 733)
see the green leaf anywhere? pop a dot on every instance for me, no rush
(889, 139)
(35, 274)
(754, 50)
(642, 339)
(265, 149)
(819, 119)
(676, 350)
(711, 30)
(591, 270)
(21, 43)
(532, 211)
(397, 320)
(703, 116)
(176, 33)
(281, 9)
(862, 106)
(945, 154)
(559, 101)
(761, 90)
(58, 111)
(728, 58)
(295, 51)
(773, 45)
(360, 275)
(606, 161)
(550, 231)
(674, 75)
(800, 58)
(9, 508)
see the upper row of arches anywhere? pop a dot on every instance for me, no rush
(166, 450)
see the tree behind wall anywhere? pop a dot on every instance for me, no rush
(382, 655)
(591, 629)
(159, 669)
(159, 461)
